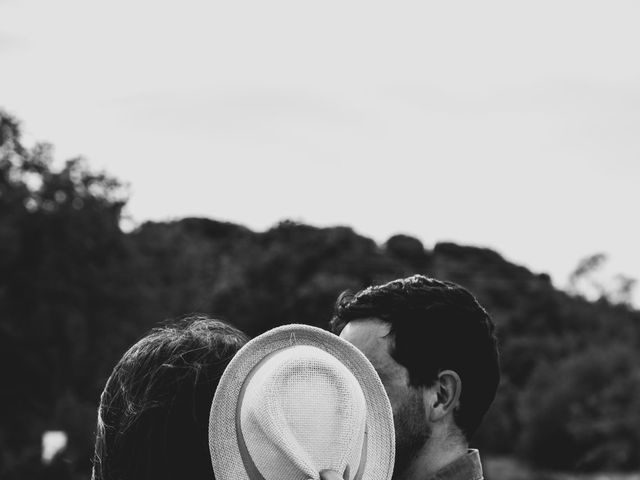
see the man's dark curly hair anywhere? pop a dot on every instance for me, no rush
(436, 326)
(154, 412)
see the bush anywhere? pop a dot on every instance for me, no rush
(584, 413)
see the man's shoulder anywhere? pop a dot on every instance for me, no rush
(466, 467)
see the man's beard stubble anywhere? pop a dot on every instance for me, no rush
(412, 431)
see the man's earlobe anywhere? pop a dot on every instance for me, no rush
(447, 390)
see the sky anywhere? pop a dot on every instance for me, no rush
(508, 125)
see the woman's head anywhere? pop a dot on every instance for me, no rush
(154, 411)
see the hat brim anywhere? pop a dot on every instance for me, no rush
(223, 438)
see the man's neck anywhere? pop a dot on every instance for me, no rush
(432, 457)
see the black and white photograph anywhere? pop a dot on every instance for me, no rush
(339, 240)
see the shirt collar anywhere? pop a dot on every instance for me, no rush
(466, 467)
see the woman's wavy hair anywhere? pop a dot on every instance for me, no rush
(154, 411)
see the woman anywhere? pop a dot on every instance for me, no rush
(154, 411)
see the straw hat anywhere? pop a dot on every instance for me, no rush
(297, 400)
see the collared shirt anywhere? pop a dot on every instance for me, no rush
(467, 467)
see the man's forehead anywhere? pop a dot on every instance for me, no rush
(367, 333)
(371, 337)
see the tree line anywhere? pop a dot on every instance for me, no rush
(76, 291)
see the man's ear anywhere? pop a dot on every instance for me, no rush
(445, 395)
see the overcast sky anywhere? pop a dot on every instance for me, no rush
(510, 125)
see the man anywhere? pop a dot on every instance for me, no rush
(436, 353)
(154, 412)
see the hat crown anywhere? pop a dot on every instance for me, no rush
(239, 443)
(301, 411)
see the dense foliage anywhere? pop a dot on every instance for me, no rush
(75, 292)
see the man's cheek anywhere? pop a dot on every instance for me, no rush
(397, 397)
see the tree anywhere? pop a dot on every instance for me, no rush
(588, 279)
(583, 412)
(63, 279)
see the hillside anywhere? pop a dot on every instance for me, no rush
(76, 291)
